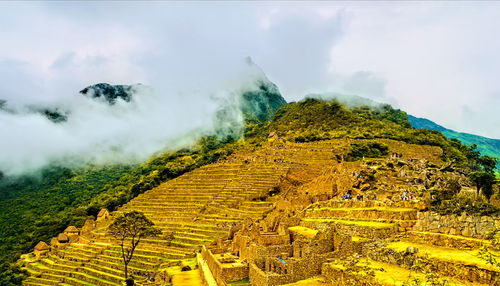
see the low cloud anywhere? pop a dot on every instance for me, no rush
(430, 59)
(99, 133)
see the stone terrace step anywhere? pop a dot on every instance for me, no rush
(34, 281)
(378, 212)
(464, 265)
(174, 207)
(446, 240)
(368, 229)
(385, 274)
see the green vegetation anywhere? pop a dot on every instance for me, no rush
(487, 146)
(368, 150)
(316, 119)
(37, 207)
(481, 171)
(483, 181)
(10, 275)
(261, 104)
(460, 204)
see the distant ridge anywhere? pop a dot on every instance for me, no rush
(487, 146)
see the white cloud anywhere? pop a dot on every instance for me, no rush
(434, 60)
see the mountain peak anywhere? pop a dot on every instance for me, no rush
(109, 93)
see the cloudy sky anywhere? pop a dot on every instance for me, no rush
(437, 60)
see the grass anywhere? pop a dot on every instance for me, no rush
(305, 231)
(187, 278)
(382, 209)
(358, 238)
(80, 281)
(239, 282)
(392, 275)
(454, 236)
(388, 274)
(315, 281)
(467, 257)
(191, 262)
(372, 224)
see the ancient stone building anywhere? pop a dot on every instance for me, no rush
(40, 249)
(103, 215)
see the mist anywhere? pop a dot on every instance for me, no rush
(433, 60)
(97, 133)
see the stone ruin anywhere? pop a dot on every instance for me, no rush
(277, 216)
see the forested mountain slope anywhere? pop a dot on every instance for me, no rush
(487, 146)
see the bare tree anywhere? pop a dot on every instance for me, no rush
(129, 228)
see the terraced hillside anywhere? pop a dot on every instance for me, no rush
(191, 210)
(296, 186)
(394, 252)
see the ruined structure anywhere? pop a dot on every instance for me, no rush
(280, 215)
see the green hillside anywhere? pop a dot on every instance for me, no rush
(35, 208)
(487, 146)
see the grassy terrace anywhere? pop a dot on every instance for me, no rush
(468, 257)
(305, 231)
(373, 224)
(175, 208)
(315, 281)
(187, 278)
(391, 275)
(380, 209)
(458, 237)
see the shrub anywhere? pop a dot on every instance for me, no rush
(461, 204)
(369, 150)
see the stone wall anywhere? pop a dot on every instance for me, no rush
(273, 239)
(278, 273)
(255, 251)
(465, 225)
(224, 274)
(353, 230)
(260, 278)
(346, 245)
(206, 275)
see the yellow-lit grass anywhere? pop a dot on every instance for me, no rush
(444, 235)
(305, 231)
(315, 281)
(382, 209)
(467, 257)
(373, 224)
(187, 278)
(392, 275)
(358, 238)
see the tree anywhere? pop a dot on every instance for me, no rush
(129, 229)
(11, 274)
(488, 163)
(483, 180)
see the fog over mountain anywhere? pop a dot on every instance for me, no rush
(105, 124)
(436, 60)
